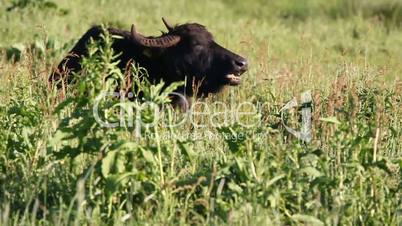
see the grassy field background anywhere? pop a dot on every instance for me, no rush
(59, 167)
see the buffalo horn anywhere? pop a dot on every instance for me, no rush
(168, 26)
(163, 41)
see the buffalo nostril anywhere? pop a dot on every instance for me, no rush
(242, 64)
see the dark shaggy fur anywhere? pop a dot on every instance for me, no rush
(196, 58)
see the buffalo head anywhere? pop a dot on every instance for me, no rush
(189, 52)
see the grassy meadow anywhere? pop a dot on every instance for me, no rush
(232, 161)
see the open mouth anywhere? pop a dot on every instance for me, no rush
(233, 79)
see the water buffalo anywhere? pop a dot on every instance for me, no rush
(186, 52)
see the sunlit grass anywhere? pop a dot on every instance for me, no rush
(59, 167)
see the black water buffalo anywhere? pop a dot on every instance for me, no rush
(186, 52)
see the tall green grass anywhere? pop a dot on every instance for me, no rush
(58, 166)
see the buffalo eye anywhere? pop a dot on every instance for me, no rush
(198, 47)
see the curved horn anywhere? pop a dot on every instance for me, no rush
(161, 42)
(168, 26)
